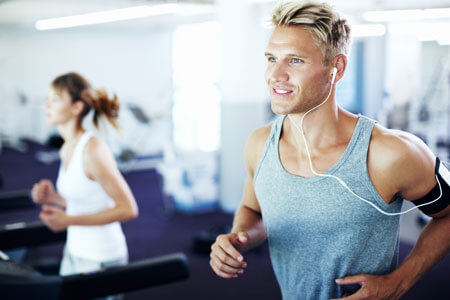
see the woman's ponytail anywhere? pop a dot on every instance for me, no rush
(103, 105)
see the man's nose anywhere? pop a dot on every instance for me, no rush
(279, 73)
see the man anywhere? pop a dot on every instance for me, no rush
(327, 192)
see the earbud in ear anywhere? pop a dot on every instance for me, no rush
(333, 75)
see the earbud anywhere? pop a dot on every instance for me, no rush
(333, 75)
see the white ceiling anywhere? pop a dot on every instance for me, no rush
(24, 13)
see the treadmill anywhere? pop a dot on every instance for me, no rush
(20, 281)
(16, 200)
(29, 234)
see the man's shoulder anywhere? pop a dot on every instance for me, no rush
(402, 158)
(260, 135)
(396, 145)
(255, 145)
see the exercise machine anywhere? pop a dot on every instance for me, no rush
(20, 281)
(16, 200)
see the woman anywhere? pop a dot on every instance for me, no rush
(89, 187)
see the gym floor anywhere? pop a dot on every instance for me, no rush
(157, 232)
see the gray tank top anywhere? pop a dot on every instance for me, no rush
(317, 230)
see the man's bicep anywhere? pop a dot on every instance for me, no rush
(441, 214)
(414, 167)
(436, 202)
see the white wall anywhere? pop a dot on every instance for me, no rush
(134, 63)
(245, 96)
(374, 72)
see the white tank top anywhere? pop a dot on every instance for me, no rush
(85, 196)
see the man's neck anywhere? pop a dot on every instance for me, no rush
(321, 127)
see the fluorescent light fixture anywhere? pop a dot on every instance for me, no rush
(422, 30)
(107, 16)
(444, 41)
(406, 15)
(365, 30)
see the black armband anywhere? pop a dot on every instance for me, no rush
(443, 176)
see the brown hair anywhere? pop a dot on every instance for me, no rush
(79, 89)
(330, 31)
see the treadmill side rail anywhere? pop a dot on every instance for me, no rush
(16, 200)
(28, 234)
(116, 280)
(33, 287)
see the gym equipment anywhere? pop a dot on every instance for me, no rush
(20, 281)
(16, 200)
(20, 238)
(18, 235)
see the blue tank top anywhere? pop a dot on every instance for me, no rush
(317, 231)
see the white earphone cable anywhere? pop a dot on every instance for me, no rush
(300, 129)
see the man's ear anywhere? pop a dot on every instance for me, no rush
(340, 63)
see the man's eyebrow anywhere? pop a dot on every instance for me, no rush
(288, 55)
(297, 55)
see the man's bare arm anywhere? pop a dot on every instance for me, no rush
(407, 167)
(248, 219)
(433, 243)
(248, 229)
(431, 247)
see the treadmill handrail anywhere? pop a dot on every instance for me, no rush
(113, 280)
(16, 200)
(28, 234)
(136, 275)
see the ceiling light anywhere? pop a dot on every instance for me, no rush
(107, 16)
(422, 31)
(406, 15)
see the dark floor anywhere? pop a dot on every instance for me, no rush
(157, 232)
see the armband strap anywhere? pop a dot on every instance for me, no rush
(443, 177)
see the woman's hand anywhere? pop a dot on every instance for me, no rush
(54, 217)
(44, 192)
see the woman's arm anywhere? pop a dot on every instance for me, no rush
(44, 192)
(100, 166)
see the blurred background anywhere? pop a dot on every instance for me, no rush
(190, 78)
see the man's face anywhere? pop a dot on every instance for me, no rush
(295, 74)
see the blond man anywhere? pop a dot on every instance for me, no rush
(325, 186)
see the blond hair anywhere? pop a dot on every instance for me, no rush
(330, 31)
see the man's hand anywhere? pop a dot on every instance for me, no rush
(43, 192)
(54, 217)
(372, 287)
(226, 260)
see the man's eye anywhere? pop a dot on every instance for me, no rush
(271, 59)
(296, 60)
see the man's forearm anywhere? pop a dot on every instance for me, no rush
(432, 246)
(250, 221)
